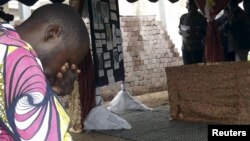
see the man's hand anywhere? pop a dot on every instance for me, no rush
(64, 84)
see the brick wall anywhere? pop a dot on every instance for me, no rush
(147, 51)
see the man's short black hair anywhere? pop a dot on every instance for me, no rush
(191, 3)
(66, 16)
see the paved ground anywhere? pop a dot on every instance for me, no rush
(151, 100)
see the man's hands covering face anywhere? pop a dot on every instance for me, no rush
(64, 84)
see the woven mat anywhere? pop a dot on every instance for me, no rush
(155, 126)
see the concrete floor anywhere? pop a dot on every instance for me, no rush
(151, 100)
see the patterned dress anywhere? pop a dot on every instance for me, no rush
(29, 109)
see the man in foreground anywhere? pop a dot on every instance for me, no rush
(29, 109)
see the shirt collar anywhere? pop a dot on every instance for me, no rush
(13, 38)
(9, 30)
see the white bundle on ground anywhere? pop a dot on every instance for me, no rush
(124, 101)
(99, 118)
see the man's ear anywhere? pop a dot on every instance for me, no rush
(52, 32)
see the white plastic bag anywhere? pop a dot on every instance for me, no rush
(99, 118)
(124, 101)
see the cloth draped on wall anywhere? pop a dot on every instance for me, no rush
(106, 41)
(213, 46)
